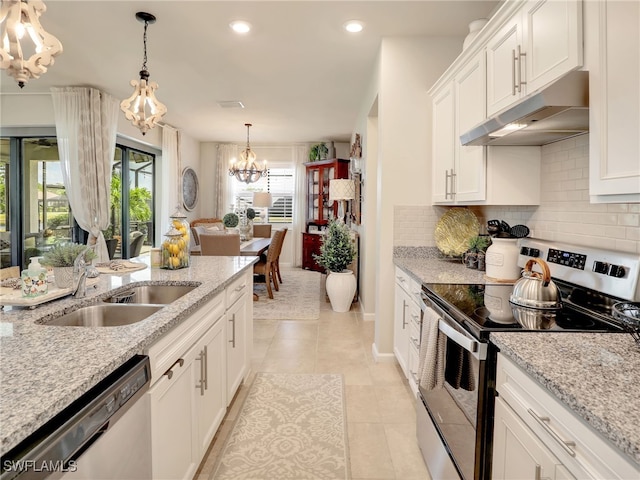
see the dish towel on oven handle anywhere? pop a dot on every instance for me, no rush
(432, 352)
(459, 367)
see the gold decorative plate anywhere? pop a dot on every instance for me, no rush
(454, 230)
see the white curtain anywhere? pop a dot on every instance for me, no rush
(172, 174)
(223, 199)
(300, 155)
(86, 121)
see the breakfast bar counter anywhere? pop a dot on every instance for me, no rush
(44, 368)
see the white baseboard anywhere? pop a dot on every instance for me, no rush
(381, 357)
(368, 317)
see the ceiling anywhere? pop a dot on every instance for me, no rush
(300, 76)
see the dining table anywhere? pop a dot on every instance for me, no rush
(248, 248)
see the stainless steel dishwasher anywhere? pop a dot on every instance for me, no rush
(105, 434)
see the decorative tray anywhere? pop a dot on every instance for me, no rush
(13, 297)
(454, 230)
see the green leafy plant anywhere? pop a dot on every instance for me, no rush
(230, 220)
(251, 213)
(318, 151)
(337, 250)
(64, 254)
(478, 244)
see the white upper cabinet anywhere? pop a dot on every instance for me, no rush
(540, 43)
(613, 53)
(443, 144)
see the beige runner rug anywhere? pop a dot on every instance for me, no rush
(291, 426)
(298, 298)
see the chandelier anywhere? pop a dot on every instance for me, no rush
(18, 17)
(246, 169)
(142, 108)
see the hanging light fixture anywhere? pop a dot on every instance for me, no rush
(246, 169)
(142, 108)
(18, 17)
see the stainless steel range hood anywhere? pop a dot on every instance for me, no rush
(557, 112)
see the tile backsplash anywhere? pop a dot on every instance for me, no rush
(564, 214)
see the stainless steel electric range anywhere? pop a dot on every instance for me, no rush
(455, 419)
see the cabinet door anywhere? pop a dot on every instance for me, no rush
(614, 114)
(502, 66)
(401, 327)
(552, 31)
(172, 415)
(443, 145)
(210, 385)
(517, 452)
(470, 95)
(236, 345)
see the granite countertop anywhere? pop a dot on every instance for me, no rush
(44, 368)
(428, 265)
(597, 375)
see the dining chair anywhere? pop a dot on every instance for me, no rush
(266, 265)
(135, 246)
(279, 247)
(262, 231)
(220, 244)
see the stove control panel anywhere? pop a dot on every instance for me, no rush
(568, 259)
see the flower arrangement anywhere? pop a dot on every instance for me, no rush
(231, 220)
(64, 254)
(319, 151)
(337, 250)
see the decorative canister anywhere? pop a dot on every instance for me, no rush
(175, 254)
(501, 259)
(474, 29)
(179, 222)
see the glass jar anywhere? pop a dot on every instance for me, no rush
(179, 222)
(174, 252)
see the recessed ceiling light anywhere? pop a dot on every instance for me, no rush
(240, 26)
(353, 26)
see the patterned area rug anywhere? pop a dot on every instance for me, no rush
(291, 426)
(298, 298)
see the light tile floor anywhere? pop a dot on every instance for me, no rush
(380, 406)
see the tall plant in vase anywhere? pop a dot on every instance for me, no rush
(336, 253)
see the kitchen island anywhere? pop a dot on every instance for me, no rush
(44, 368)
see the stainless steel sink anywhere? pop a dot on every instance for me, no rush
(152, 294)
(106, 315)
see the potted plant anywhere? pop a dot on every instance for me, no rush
(230, 220)
(61, 258)
(336, 253)
(319, 151)
(474, 256)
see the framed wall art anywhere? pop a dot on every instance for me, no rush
(190, 188)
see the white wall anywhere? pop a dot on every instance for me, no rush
(401, 174)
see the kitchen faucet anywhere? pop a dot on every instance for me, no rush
(80, 275)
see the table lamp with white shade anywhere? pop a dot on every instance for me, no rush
(262, 200)
(341, 190)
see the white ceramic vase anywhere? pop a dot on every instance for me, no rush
(341, 287)
(501, 259)
(474, 30)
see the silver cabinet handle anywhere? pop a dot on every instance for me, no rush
(201, 383)
(521, 82)
(416, 342)
(206, 368)
(169, 372)
(233, 330)
(404, 314)
(449, 177)
(538, 473)
(446, 184)
(453, 184)
(239, 288)
(544, 423)
(514, 83)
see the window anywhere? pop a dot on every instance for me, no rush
(280, 183)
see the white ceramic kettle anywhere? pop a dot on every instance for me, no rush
(501, 259)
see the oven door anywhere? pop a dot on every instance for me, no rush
(456, 410)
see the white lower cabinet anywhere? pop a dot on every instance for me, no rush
(196, 370)
(517, 452)
(406, 326)
(537, 436)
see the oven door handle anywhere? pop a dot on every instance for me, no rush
(477, 349)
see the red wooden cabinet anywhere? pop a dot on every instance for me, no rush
(311, 245)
